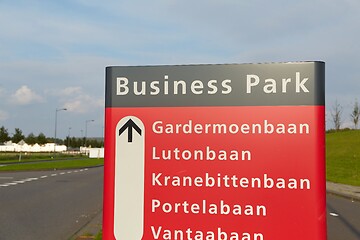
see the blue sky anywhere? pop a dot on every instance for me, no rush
(53, 53)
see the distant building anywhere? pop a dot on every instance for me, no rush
(22, 146)
(96, 152)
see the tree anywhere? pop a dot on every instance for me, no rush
(30, 139)
(96, 143)
(336, 115)
(18, 136)
(41, 139)
(355, 114)
(4, 135)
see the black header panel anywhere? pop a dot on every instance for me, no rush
(269, 84)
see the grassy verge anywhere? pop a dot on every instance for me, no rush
(55, 164)
(28, 157)
(343, 157)
(99, 236)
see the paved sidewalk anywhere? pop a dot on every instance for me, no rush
(351, 192)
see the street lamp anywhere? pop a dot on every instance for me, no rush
(57, 110)
(68, 143)
(86, 122)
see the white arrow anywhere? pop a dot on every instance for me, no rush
(129, 179)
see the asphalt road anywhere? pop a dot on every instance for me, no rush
(56, 204)
(343, 218)
(48, 204)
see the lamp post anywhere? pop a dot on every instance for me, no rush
(57, 110)
(68, 143)
(86, 123)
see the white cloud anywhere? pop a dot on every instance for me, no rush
(83, 104)
(24, 96)
(3, 115)
(70, 91)
(75, 100)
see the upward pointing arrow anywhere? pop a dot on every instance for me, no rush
(130, 125)
(129, 167)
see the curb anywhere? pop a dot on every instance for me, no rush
(342, 190)
(344, 195)
(90, 229)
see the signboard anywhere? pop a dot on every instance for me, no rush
(233, 151)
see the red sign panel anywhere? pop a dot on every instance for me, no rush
(214, 172)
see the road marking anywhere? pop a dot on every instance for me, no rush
(30, 179)
(334, 214)
(20, 181)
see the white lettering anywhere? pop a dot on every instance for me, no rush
(301, 83)
(265, 127)
(212, 86)
(193, 234)
(230, 181)
(155, 90)
(121, 86)
(227, 87)
(269, 85)
(180, 87)
(251, 81)
(285, 81)
(197, 87)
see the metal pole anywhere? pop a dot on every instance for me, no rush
(86, 122)
(68, 145)
(56, 111)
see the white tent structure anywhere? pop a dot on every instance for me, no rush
(96, 152)
(22, 146)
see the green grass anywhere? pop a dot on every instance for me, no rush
(6, 157)
(343, 157)
(99, 236)
(51, 165)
